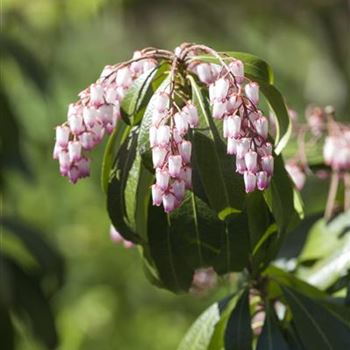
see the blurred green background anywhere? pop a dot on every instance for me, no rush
(51, 50)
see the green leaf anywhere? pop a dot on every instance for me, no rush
(116, 201)
(113, 145)
(217, 339)
(283, 123)
(199, 335)
(317, 327)
(223, 187)
(271, 337)
(324, 238)
(238, 333)
(137, 97)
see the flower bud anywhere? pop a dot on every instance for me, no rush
(233, 103)
(73, 174)
(231, 145)
(297, 175)
(123, 77)
(148, 65)
(163, 135)
(98, 132)
(261, 126)
(74, 150)
(251, 161)
(162, 179)
(87, 140)
(158, 156)
(62, 135)
(249, 181)
(233, 126)
(267, 164)
(175, 165)
(89, 116)
(219, 109)
(240, 165)
(76, 124)
(64, 162)
(169, 202)
(96, 95)
(192, 114)
(83, 166)
(111, 95)
(262, 180)
(185, 149)
(56, 151)
(157, 195)
(221, 87)
(157, 117)
(181, 123)
(237, 68)
(252, 92)
(205, 73)
(178, 189)
(105, 114)
(161, 101)
(243, 147)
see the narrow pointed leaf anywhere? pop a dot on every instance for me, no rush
(238, 333)
(317, 327)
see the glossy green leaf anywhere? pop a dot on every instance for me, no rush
(317, 327)
(238, 332)
(116, 201)
(113, 145)
(217, 339)
(271, 337)
(223, 187)
(199, 335)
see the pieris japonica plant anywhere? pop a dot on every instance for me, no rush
(194, 177)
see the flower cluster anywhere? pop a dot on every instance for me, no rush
(94, 115)
(171, 152)
(204, 279)
(336, 150)
(234, 100)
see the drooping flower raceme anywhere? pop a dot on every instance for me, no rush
(171, 151)
(234, 100)
(94, 115)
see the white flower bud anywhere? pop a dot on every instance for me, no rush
(73, 174)
(153, 136)
(74, 150)
(169, 202)
(252, 92)
(157, 195)
(181, 123)
(186, 175)
(76, 124)
(163, 135)
(64, 162)
(243, 147)
(98, 131)
(267, 164)
(233, 126)
(123, 77)
(251, 161)
(262, 180)
(185, 148)
(249, 181)
(161, 101)
(178, 189)
(162, 179)
(105, 114)
(237, 68)
(62, 135)
(231, 145)
(261, 126)
(192, 114)
(221, 87)
(83, 166)
(87, 140)
(219, 109)
(205, 73)
(96, 95)
(240, 165)
(89, 116)
(175, 165)
(158, 156)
